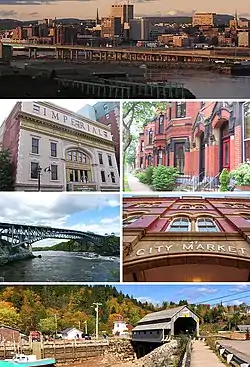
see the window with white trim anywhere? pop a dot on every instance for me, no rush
(206, 225)
(179, 225)
(131, 219)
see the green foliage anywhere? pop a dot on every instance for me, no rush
(6, 171)
(224, 180)
(149, 174)
(110, 246)
(241, 174)
(164, 178)
(8, 315)
(142, 177)
(47, 326)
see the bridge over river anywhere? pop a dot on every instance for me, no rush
(21, 235)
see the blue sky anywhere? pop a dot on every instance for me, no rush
(98, 213)
(197, 293)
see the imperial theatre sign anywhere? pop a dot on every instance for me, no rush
(65, 119)
(163, 248)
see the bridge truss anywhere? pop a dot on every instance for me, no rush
(18, 234)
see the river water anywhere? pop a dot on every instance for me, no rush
(60, 266)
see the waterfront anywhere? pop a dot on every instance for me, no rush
(55, 266)
(208, 84)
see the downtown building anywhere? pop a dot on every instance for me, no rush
(199, 138)
(188, 238)
(62, 150)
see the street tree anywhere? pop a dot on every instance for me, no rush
(6, 171)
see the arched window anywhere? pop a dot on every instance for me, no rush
(236, 205)
(188, 206)
(206, 225)
(179, 225)
(131, 219)
(77, 156)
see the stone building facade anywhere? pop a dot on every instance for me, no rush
(186, 238)
(68, 151)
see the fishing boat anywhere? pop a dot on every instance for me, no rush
(27, 361)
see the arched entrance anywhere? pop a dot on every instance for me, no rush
(202, 157)
(225, 146)
(185, 325)
(78, 167)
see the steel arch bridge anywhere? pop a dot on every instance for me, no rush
(19, 234)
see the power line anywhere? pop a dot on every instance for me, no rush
(230, 295)
(234, 299)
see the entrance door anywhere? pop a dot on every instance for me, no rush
(226, 153)
(225, 147)
(202, 158)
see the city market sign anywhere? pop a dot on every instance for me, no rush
(64, 119)
(163, 248)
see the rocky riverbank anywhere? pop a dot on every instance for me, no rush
(9, 254)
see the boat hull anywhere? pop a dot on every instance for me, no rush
(47, 362)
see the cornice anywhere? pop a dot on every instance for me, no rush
(63, 132)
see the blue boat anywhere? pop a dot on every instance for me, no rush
(22, 360)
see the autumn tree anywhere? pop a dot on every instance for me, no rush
(8, 314)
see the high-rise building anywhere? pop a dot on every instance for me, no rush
(108, 113)
(123, 11)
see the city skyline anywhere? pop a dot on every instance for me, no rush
(82, 9)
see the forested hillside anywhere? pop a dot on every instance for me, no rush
(50, 308)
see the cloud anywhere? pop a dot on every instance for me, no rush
(33, 14)
(57, 209)
(240, 287)
(8, 13)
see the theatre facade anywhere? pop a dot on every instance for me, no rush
(190, 239)
(199, 138)
(55, 149)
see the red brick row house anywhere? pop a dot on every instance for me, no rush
(199, 138)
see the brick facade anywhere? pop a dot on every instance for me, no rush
(199, 138)
(155, 250)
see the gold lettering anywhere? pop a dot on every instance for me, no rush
(168, 247)
(159, 248)
(140, 252)
(210, 247)
(232, 249)
(186, 247)
(243, 251)
(200, 247)
(221, 248)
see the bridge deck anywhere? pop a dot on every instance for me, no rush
(203, 356)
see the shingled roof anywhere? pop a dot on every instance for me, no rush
(161, 315)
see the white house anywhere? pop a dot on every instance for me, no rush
(121, 327)
(71, 333)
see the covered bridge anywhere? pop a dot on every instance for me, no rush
(158, 327)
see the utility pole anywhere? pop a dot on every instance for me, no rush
(56, 324)
(97, 304)
(86, 327)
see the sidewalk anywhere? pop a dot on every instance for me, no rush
(135, 185)
(203, 356)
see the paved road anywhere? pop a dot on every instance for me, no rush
(203, 356)
(135, 185)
